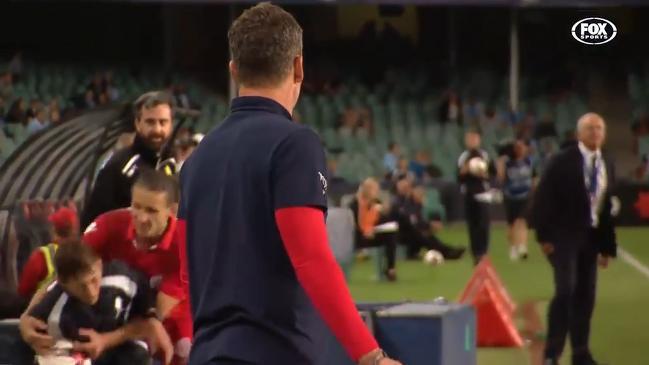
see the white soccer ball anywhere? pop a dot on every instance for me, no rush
(433, 258)
(477, 166)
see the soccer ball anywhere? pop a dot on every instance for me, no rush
(63, 355)
(477, 166)
(433, 258)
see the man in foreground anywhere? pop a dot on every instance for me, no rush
(261, 273)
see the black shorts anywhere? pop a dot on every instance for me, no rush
(515, 209)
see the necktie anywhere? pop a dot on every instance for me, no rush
(594, 174)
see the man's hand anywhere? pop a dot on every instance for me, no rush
(31, 330)
(548, 248)
(603, 261)
(436, 226)
(371, 359)
(95, 346)
(159, 341)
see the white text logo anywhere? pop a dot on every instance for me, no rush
(594, 31)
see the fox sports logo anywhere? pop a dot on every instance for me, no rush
(594, 31)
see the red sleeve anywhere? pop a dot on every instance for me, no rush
(304, 234)
(181, 228)
(34, 271)
(97, 234)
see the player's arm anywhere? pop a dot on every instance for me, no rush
(500, 169)
(32, 326)
(463, 166)
(34, 271)
(299, 199)
(149, 330)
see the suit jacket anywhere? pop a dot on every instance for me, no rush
(562, 206)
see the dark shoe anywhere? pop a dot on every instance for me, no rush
(550, 362)
(454, 253)
(585, 360)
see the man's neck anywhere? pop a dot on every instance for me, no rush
(592, 149)
(147, 242)
(279, 94)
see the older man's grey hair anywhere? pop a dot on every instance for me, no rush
(583, 121)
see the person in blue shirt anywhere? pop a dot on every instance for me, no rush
(391, 157)
(517, 174)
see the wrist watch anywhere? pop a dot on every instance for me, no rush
(380, 356)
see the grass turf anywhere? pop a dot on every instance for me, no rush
(620, 332)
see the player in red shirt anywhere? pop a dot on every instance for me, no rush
(145, 237)
(39, 271)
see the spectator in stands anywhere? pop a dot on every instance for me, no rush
(54, 112)
(39, 268)
(422, 168)
(17, 112)
(38, 122)
(109, 87)
(402, 171)
(490, 118)
(153, 125)
(97, 85)
(414, 228)
(89, 100)
(391, 157)
(181, 99)
(34, 106)
(15, 66)
(369, 212)
(451, 109)
(104, 99)
(472, 112)
(364, 125)
(337, 185)
(2, 110)
(348, 122)
(6, 85)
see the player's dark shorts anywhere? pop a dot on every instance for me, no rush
(516, 208)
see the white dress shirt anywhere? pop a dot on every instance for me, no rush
(596, 200)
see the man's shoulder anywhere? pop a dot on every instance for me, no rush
(567, 154)
(121, 156)
(119, 219)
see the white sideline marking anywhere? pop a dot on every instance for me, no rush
(632, 261)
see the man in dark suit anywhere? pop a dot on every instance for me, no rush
(576, 231)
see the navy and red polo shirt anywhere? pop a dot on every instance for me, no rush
(247, 303)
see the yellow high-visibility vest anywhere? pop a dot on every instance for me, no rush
(48, 253)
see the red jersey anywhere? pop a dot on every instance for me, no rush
(34, 271)
(112, 235)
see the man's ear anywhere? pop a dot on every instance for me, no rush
(174, 209)
(233, 71)
(298, 69)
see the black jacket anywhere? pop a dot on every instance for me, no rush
(562, 207)
(112, 189)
